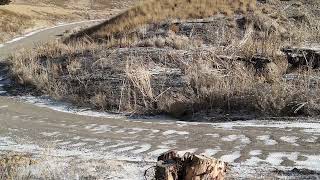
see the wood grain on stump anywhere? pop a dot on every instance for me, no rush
(189, 167)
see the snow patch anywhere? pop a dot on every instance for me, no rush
(311, 139)
(119, 144)
(230, 138)
(90, 126)
(3, 107)
(170, 132)
(213, 135)
(144, 148)
(309, 127)
(267, 140)
(64, 107)
(78, 144)
(49, 134)
(276, 158)
(230, 158)
(253, 161)
(313, 162)
(210, 152)
(290, 139)
(255, 152)
(124, 149)
(170, 142)
(103, 129)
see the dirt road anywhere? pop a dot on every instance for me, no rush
(82, 144)
(39, 36)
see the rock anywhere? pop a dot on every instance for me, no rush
(303, 56)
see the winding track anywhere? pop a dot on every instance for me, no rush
(132, 145)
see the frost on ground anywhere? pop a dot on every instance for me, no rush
(51, 167)
(267, 140)
(70, 164)
(290, 139)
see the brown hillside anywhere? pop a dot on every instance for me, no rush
(152, 11)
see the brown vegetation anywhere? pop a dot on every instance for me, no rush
(154, 11)
(10, 165)
(12, 23)
(24, 15)
(213, 65)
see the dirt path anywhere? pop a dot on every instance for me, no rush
(41, 35)
(121, 148)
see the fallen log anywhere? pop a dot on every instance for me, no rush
(189, 167)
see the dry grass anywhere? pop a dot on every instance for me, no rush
(12, 23)
(80, 4)
(22, 16)
(11, 164)
(132, 83)
(153, 11)
(175, 72)
(18, 19)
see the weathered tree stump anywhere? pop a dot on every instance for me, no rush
(166, 170)
(189, 167)
(202, 167)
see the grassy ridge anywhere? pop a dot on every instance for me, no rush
(153, 11)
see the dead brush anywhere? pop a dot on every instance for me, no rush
(155, 11)
(210, 83)
(226, 86)
(292, 97)
(209, 78)
(306, 34)
(140, 79)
